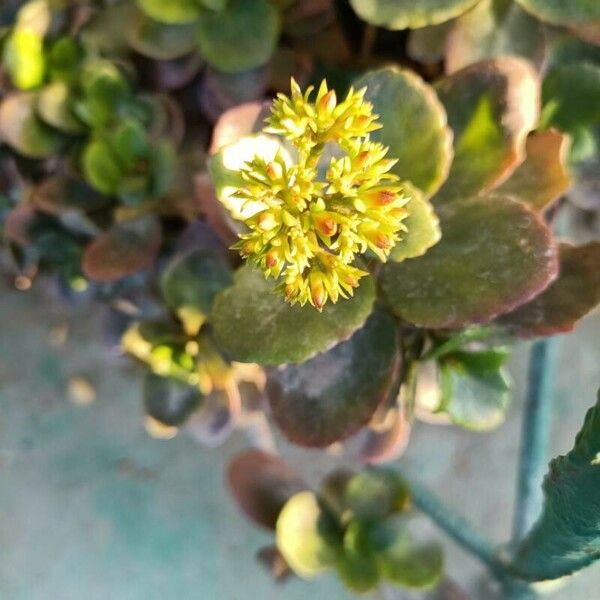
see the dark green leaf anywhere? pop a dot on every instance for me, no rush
(170, 401)
(573, 294)
(571, 97)
(253, 323)
(494, 255)
(190, 283)
(566, 537)
(240, 37)
(331, 396)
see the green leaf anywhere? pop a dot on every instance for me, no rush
(331, 396)
(571, 97)
(21, 129)
(304, 535)
(63, 60)
(190, 283)
(573, 294)
(101, 167)
(423, 229)
(494, 28)
(169, 401)
(542, 178)
(261, 484)
(24, 58)
(161, 41)
(566, 537)
(253, 323)
(492, 106)
(162, 166)
(573, 12)
(126, 248)
(356, 564)
(240, 37)
(475, 389)
(161, 345)
(402, 563)
(404, 14)
(494, 255)
(428, 44)
(414, 126)
(375, 494)
(171, 11)
(54, 107)
(129, 143)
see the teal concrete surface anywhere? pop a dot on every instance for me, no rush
(92, 508)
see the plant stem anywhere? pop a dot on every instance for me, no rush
(534, 436)
(456, 526)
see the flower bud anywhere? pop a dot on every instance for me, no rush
(328, 102)
(266, 221)
(325, 224)
(274, 171)
(318, 294)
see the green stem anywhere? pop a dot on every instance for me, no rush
(534, 436)
(456, 526)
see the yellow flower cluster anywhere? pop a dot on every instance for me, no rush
(318, 218)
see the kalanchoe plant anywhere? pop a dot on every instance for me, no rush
(414, 209)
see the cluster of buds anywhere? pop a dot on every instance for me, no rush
(317, 219)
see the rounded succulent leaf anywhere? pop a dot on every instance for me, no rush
(253, 323)
(331, 396)
(574, 293)
(405, 14)
(491, 105)
(261, 484)
(124, 249)
(169, 401)
(23, 130)
(414, 126)
(240, 37)
(423, 229)
(304, 532)
(495, 254)
(494, 28)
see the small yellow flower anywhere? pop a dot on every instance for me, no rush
(318, 218)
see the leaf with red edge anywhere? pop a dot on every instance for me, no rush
(494, 28)
(491, 105)
(495, 254)
(237, 122)
(575, 292)
(382, 441)
(261, 484)
(61, 193)
(543, 177)
(124, 249)
(331, 396)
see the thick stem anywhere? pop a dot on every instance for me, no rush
(534, 436)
